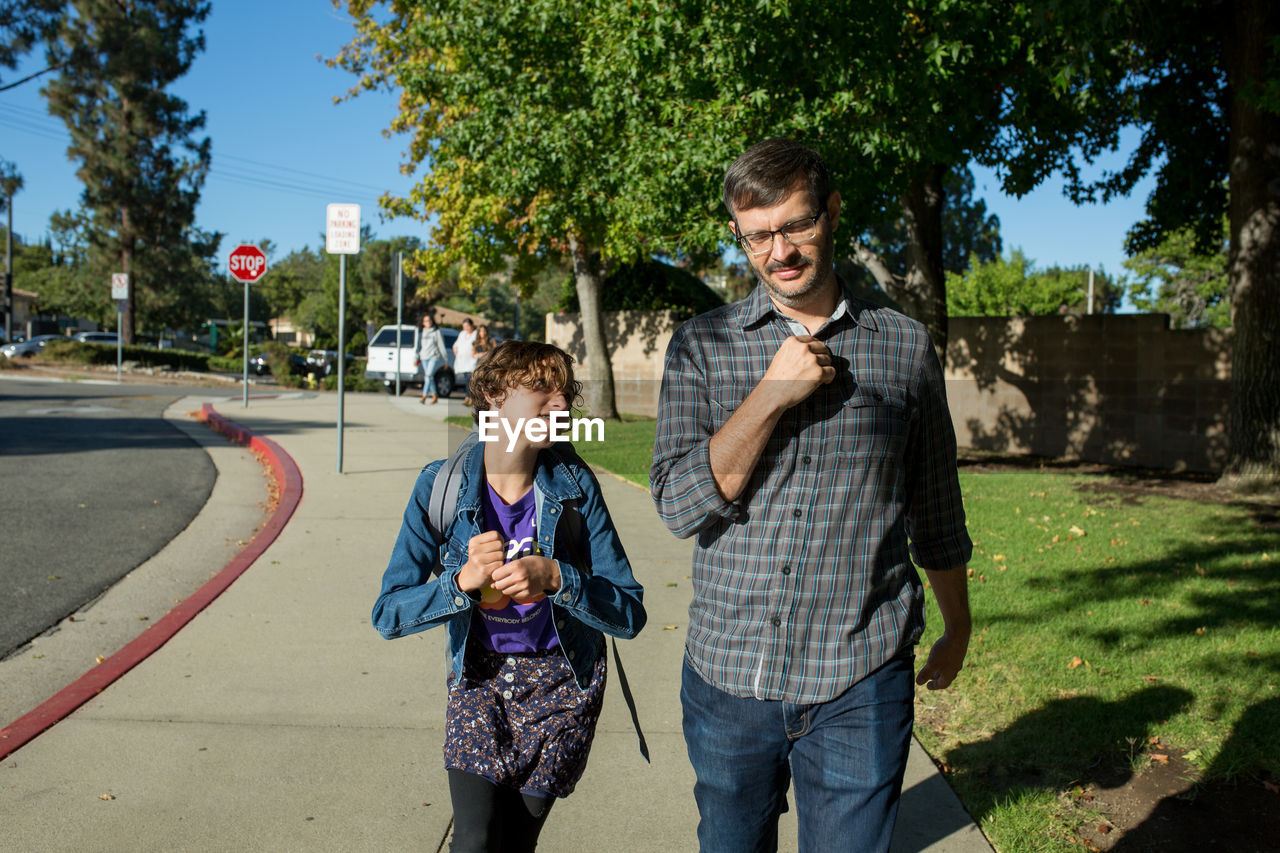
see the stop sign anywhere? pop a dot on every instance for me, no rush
(247, 263)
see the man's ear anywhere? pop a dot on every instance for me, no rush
(833, 208)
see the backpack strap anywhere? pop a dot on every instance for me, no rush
(442, 505)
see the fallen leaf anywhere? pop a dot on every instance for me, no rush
(1075, 662)
(673, 584)
(1200, 571)
(1076, 531)
(1200, 631)
(668, 627)
(969, 573)
(106, 796)
(100, 658)
(1153, 740)
(997, 557)
(1160, 757)
(1271, 786)
(1104, 828)
(1151, 678)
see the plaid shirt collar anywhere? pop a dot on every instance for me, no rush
(757, 309)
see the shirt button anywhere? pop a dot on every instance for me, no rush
(807, 459)
(572, 654)
(878, 396)
(786, 570)
(506, 694)
(511, 661)
(797, 513)
(775, 621)
(560, 624)
(509, 677)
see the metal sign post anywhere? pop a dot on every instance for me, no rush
(397, 278)
(342, 238)
(246, 263)
(120, 293)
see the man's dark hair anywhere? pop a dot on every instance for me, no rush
(769, 171)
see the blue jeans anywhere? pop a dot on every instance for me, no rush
(847, 756)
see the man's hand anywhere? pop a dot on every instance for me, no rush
(485, 553)
(945, 661)
(527, 579)
(799, 366)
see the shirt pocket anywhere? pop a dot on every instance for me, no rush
(875, 424)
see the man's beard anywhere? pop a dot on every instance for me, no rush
(813, 280)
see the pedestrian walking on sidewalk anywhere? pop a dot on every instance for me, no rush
(529, 576)
(431, 355)
(464, 358)
(803, 435)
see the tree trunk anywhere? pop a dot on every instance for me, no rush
(924, 292)
(1254, 437)
(588, 279)
(879, 270)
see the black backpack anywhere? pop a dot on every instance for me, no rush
(442, 506)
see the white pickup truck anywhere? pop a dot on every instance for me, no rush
(382, 359)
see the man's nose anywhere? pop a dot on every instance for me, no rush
(781, 248)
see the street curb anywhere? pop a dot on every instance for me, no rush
(289, 479)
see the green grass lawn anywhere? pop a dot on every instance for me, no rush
(1108, 626)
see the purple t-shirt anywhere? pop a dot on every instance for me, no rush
(505, 626)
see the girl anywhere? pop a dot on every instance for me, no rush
(431, 355)
(524, 603)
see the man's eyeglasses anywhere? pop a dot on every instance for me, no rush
(796, 233)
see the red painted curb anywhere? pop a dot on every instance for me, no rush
(61, 704)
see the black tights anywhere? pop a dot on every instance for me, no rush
(488, 818)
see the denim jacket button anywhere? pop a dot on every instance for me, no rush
(553, 510)
(565, 598)
(457, 599)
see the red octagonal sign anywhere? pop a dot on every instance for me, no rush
(247, 263)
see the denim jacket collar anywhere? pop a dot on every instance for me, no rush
(551, 479)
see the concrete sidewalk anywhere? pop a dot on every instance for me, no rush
(279, 720)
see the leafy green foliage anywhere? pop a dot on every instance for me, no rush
(1014, 287)
(1175, 277)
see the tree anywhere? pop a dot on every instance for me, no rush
(24, 24)
(1014, 287)
(10, 184)
(1174, 277)
(1202, 82)
(141, 166)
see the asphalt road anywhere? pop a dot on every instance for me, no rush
(93, 482)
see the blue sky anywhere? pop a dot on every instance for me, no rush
(282, 149)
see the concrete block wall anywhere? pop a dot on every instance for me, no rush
(1116, 388)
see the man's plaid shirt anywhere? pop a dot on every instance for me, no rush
(803, 585)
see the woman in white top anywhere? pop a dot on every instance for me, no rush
(464, 358)
(431, 355)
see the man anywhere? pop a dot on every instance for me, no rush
(803, 435)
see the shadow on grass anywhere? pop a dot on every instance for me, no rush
(1233, 813)
(1079, 740)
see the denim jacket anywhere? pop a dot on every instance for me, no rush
(600, 595)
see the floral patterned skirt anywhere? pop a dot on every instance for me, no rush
(521, 721)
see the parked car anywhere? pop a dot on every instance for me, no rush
(297, 365)
(97, 337)
(381, 363)
(28, 347)
(323, 361)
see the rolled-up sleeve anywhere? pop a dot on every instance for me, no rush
(935, 512)
(680, 479)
